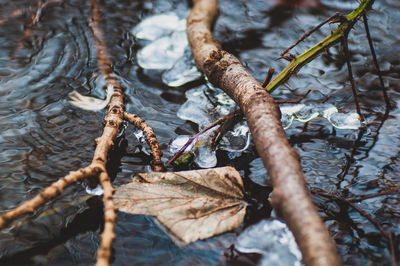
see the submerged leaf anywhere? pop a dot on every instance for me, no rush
(191, 204)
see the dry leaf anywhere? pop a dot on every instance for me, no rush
(191, 205)
(90, 103)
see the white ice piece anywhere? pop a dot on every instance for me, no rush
(272, 239)
(305, 113)
(183, 71)
(205, 157)
(154, 27)
(97, 191)
(345, 121)
(164, 52)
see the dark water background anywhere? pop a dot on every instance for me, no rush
(43, 137)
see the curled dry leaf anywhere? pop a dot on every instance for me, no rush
(191, 204)
(90, 103)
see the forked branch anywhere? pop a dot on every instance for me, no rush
(113, 121)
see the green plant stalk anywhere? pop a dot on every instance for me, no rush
(337, 35)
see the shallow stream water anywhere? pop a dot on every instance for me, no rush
(43, 136)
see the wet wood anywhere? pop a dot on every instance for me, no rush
(291, 198)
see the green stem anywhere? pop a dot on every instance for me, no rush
(340, 32)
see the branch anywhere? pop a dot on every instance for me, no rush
(50, 192)
(337, 35)
(363, 213)
(151, 139)
(291, 198)
(113, 119)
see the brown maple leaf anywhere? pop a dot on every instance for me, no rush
(191, 205)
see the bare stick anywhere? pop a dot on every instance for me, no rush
(34, 20)
(378, 194)
(110, 217)
(114, 120)
(191, 138)
(291, 198)
(392, 250)
(294, 101)
(268, 78)
(387, 235)
(48, 193)
(336, 36)
(371, 47)
(308, 33)
(350, 71)
(151, 139)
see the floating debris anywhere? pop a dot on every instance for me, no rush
(90, 103)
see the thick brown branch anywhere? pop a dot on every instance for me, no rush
(151, 139)
(291, 198)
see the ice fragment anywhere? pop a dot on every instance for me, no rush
(157, 26)
(97, 191)
(273, 240)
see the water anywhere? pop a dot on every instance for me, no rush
(43, 136)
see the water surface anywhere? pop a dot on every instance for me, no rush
(43, 136)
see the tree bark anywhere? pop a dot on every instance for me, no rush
(290, 198)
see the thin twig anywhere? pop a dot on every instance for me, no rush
(336, 36)
(223, 128)
(326, 99)
(371, 46)
(350, 71)
(14, 14)
(34, 19)
(110, 217)
(191, 138)
(294, 101)
(378, 194)
(308, 33)
(151, 139)
(392, 250)
(268, 78)
(48, 193)
(387, 235)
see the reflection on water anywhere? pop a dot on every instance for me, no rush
(43, 136)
